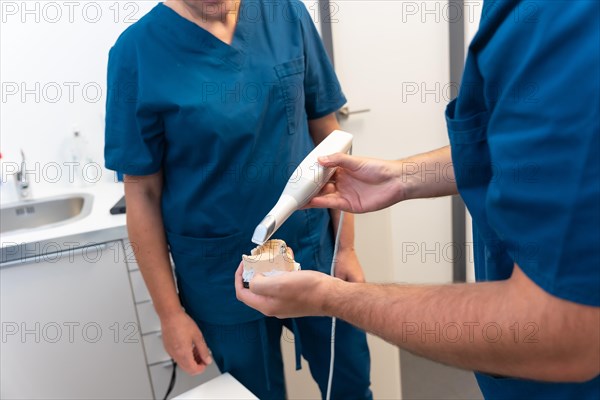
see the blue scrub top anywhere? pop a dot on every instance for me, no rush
(228, 125)
(524, 133)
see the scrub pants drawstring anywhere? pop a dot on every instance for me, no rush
(264, 340)
(297, 345)
(265, 347)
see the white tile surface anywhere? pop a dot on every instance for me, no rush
(222, 387)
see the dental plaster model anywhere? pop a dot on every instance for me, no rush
(273, 257)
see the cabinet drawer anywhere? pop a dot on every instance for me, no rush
(160, 375)
(155, 350)
(149, 321)
(67, 363)
(140, 291)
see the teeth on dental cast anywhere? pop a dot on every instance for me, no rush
(272, 258)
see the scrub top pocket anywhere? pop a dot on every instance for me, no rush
(470, 152)
(203, 260)
(291, 83)
(205, 268)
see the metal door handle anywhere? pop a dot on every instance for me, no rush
(345, 112)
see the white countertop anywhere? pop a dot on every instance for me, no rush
(98, 226)
(222, 387)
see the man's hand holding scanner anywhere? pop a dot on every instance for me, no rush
(359, 185)
(362, 185)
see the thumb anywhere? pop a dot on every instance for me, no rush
(264, 286)
(257, 285)
(341, 160)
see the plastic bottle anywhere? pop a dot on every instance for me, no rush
(79, 160)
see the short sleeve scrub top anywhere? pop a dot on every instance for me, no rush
(227, 124)
(525, 139)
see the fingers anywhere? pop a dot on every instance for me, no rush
(263, 286)
(259, 285)
(247, 296)
(187, 347)
(329, 201)
(355, 276)
(350, 274)
(261, 303)
(342, 275)
(347, 267)
(188, 360)
(341, 160)
(328, 190)
(201, 351)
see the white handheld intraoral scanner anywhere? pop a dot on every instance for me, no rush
(306, 181)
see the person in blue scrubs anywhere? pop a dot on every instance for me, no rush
(211, 106)
(525, 151)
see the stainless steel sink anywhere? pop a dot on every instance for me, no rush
(44, 213)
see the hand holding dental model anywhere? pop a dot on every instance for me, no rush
(285, 295)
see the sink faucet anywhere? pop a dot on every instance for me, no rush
(22, 182)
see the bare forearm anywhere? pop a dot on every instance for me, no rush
(146, 232)
(488, 327)
(427, 175)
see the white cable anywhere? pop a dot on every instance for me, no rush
(333, 319)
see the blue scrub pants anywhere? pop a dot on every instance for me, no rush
(251, 352)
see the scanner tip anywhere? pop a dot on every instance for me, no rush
(264, 230)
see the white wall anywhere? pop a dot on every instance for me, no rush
(53, 57)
